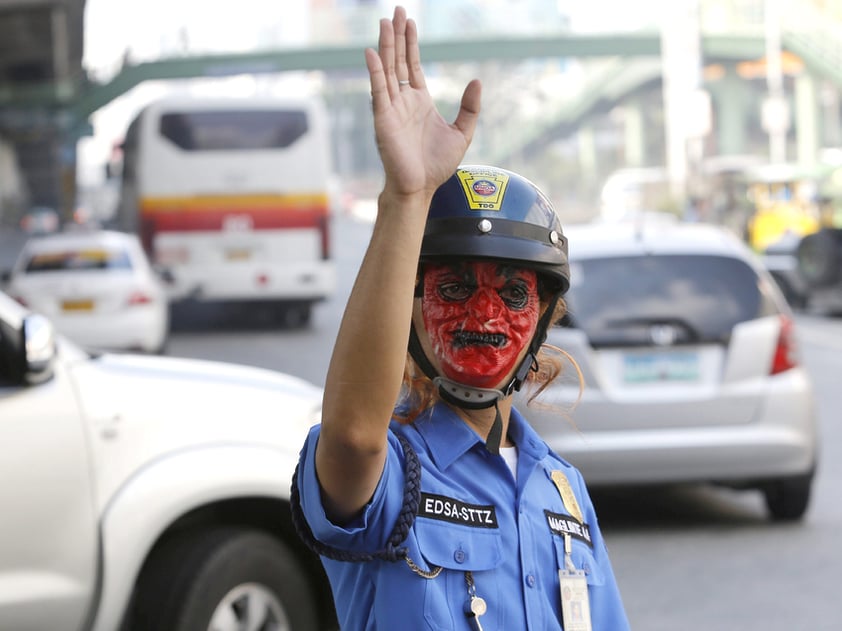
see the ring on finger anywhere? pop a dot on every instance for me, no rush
(403, 82)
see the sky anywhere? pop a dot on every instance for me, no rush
(145, 27)
(144, 30)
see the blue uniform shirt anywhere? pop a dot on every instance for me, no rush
(475, 517)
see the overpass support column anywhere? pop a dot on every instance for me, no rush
(587, 153)
(830, 127)
(634, 134)
(806, 120)
(733, 110)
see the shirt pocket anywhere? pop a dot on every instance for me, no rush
(458, 549)
(583, 559)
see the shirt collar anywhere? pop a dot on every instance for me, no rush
(448, 436)
(528, 442)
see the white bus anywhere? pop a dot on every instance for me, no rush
(232, 198)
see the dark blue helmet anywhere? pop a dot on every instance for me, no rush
(489, 213)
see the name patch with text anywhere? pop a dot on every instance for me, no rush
(567, 525)
(454, 511)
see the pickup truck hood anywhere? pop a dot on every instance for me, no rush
(143, 408)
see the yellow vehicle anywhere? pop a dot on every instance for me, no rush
(785, 204)
(830, 193)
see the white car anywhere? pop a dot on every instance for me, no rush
(97, 287)
(147, 493)
(40, 220)
(690, 364)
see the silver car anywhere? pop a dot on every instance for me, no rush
(690, 364)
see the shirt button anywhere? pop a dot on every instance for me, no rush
(459, 556)
(530, 580)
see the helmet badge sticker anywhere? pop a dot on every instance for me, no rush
(484, 189)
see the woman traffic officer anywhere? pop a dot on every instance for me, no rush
(448, 511)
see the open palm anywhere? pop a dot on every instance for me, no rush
(418, 148)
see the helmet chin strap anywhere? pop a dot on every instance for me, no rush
(473, 398)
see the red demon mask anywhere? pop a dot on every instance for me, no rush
(479, 317)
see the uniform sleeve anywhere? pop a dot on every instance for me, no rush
(370, 530)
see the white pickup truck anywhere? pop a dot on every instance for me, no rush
(148, 493)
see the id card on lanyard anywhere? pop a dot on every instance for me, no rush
(575, 606)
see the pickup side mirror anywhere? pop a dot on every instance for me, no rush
(39, 348)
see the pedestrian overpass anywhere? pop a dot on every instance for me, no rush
(632, 61)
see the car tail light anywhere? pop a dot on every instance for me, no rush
(140, 298)
(786, 352)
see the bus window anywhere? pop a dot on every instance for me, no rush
(233, 130)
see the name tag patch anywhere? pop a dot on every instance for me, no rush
(566, 525)
(454, 511)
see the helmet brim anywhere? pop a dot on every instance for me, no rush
(524, 245)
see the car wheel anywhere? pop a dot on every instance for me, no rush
(787, 498)
(295, 315)
(226, 578)
(820, 257)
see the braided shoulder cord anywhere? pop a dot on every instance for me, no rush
(391, 552)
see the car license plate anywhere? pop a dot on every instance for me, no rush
(238, 254)
(679, 366)
(77, 305)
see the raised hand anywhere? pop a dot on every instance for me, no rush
(418, 148)
(419, 151)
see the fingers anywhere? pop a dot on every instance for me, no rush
(413, 56)
(386, 50)
(466, 119)
(380, 98)
(400, 24)
(393, 48)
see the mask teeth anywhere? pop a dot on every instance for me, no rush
(466, 338)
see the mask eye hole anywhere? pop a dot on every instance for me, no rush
(455, 291)
(515, 294)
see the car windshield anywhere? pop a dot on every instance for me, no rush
(618, 301)
(81, 259)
